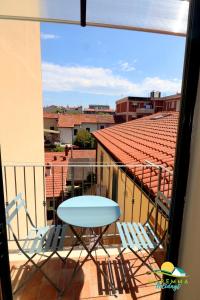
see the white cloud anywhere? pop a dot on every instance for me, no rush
(103, 81)
(49, 36)
(126, 67)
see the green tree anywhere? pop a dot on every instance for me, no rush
(84, 139)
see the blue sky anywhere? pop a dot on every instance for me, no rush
(90, 65)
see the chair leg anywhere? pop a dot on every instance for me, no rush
(121, 252)
(38, 269)
(144, 261)
(59, 256)
(30, 275)
(26, 263)
(100, 243)
(104, 248)
(68, 254)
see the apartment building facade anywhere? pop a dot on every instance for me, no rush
(130, 108)
(99, 109)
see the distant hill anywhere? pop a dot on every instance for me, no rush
(54, 109)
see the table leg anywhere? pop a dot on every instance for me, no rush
(89, 255)
(100, 243)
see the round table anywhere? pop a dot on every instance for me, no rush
(88, 211)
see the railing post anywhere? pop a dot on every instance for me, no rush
(72, 180)
(5, 278)
(44, 199)
(159, 186)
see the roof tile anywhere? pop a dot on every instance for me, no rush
(144, 139)
(70, 120)
(56, 181)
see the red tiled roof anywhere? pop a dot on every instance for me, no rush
(151, 139)
(56, 181)
(48, 115)
(70, 120)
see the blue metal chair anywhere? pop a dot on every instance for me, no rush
(142, 237)
(38, 240)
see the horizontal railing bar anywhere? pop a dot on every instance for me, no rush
(107, 235)
(160, 166)
(91, 165)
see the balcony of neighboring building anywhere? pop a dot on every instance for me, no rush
(145, 110)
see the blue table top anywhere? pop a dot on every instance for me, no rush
(88, 211)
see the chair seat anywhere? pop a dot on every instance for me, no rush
(136, 236)
(45, 239)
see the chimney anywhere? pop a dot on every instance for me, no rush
(155, 94)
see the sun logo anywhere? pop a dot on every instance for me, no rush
(169, 269)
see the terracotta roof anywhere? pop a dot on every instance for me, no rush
(70, 120)
(152, 139)
(48, 115)
(56, 181)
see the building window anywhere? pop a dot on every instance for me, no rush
(51, 127)
(75, 131)
(102, 127)
(88, 129)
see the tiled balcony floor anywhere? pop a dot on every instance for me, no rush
(88, 283)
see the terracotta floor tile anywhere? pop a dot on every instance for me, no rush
(89, 284)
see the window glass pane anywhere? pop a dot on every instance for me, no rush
(63, 10)
(148, 15)
(154, 15)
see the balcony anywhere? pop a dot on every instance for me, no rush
(45, 186)
(145, 110)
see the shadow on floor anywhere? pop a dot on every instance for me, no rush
(38, 288)
(120, 273)
(89, 282)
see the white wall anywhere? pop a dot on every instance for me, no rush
(50, 123)
(92, 126)
(66, 135)
(103, 124)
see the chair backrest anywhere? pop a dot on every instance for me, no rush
(161, 204)
(13, 208)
